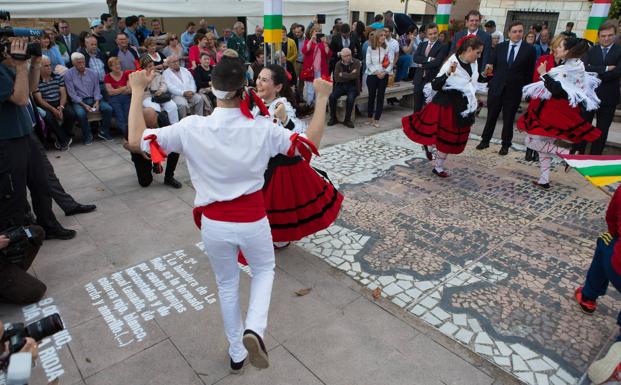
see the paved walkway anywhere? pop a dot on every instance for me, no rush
(475, 274)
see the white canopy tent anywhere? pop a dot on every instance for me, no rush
(294, 10)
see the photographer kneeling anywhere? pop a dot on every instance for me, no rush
(18, 249)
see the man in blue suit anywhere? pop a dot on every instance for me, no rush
(473, 22)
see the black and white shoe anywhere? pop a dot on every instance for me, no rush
(257, 355)
(237, 367)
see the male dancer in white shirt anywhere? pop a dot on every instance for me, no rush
(227, 154)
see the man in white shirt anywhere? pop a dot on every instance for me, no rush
(182, 87)
(393, 44)
(227, 154)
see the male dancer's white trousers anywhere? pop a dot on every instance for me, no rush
(222, 241)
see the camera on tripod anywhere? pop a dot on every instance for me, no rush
(33, 49)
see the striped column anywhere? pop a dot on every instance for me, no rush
(443, 14)
(272, 20)
(599, 14)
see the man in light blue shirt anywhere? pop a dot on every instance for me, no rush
(187, 38)
(131, 24)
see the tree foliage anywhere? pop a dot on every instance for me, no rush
(615, 9)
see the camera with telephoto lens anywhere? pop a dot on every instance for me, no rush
(20, 239)
(33, 48)
(16, 333)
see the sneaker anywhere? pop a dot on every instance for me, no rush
(58, 146)
(104, 136)
(257, 355)
(441, 174)
(587, 306)
(608, 368)
(88, 141)
(69, 143)
(348, 123)
(237, 367)
(281, 245)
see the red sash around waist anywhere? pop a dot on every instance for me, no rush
(246, 208)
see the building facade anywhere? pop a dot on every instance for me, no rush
(555, 13)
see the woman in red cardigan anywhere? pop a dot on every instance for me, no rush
(316, 56)
(194, 53)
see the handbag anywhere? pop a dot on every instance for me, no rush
(162, 98)
(386, 61)
(308, 73)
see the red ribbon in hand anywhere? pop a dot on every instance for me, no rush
(305, 147)
(157, 154)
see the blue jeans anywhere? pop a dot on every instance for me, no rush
(601, 272)
(403, 67)
(120, 105)
(81, 115)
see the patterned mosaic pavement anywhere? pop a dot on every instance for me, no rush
(485, 257)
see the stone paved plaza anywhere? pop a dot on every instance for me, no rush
(475, 274)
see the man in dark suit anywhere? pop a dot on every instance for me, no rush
(70, 40)
(343, 39)
(513, 64)
(605, 59)
(429, 57)
(473, 22)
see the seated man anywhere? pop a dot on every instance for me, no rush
(83, 88)
(346, 82)
(52, 97)
(183, 88)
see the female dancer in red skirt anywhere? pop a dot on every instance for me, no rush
(299, 201)
(445, 122)
(555, 111)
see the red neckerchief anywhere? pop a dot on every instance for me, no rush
(157, 154)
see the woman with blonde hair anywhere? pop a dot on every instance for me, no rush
(150, 44)
(174, 47)
(379, 65)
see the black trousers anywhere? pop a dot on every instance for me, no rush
(21, 167)
(508, 102)
(63, 131)
(377, 91)
(144, 168)
(419, 99)
(605, 115)
(16, 285)
(60, 196)
(339, 90)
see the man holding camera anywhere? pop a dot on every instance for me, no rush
(21, 163)
(18, 249)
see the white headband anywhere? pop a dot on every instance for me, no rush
(224, 95)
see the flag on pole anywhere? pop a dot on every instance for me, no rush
(272, 21)
(599, 14)
(600, 170)
(443, 14)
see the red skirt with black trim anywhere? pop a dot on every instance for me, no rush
(298, 201)
(556, 118)
(436, 125)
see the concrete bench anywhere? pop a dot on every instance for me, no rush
(403, 90)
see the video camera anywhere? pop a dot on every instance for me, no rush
(33, 49)
(20, 239)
